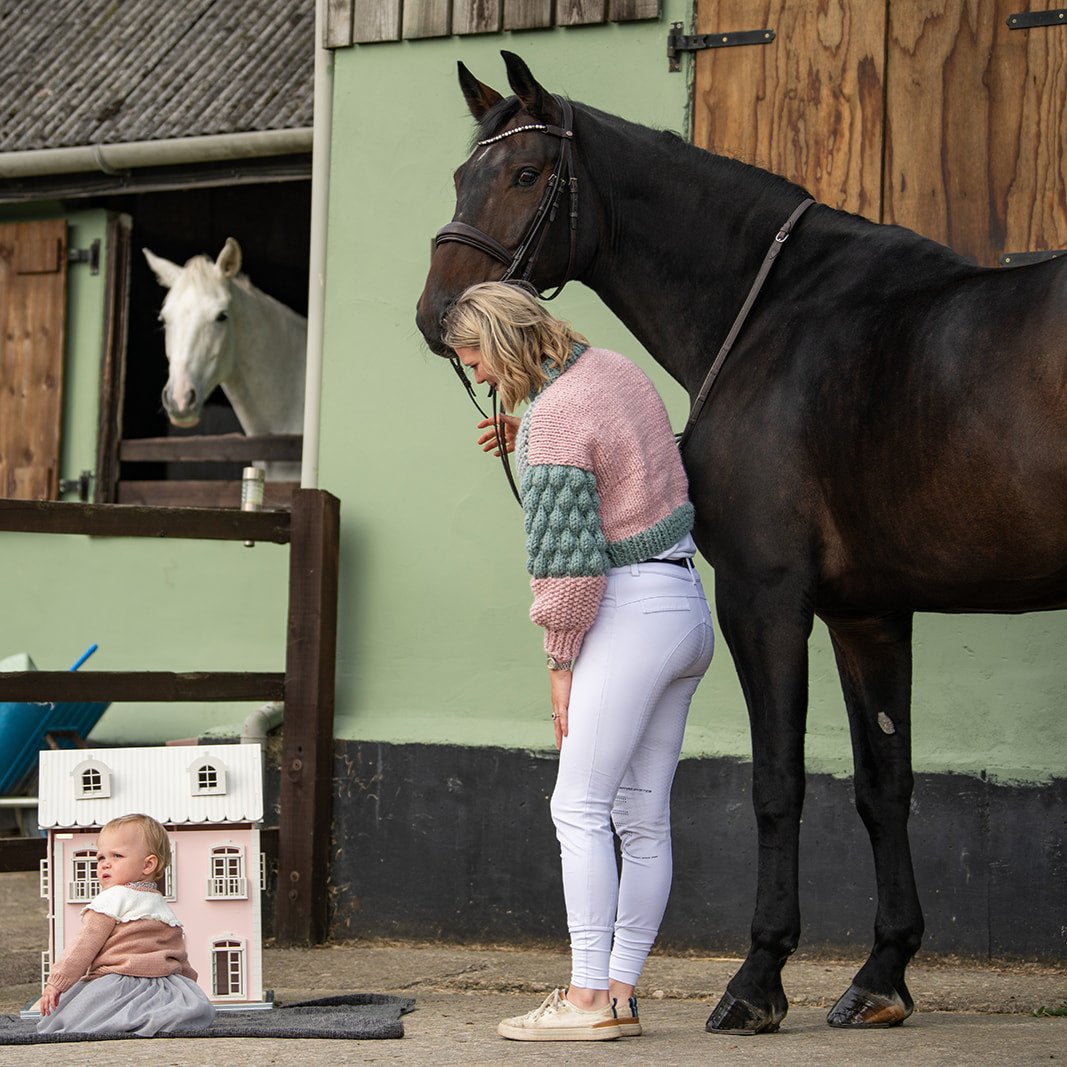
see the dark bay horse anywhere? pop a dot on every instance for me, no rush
(888, 435)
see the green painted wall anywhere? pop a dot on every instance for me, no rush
(435, 644)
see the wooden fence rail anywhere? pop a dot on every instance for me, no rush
(312, 531)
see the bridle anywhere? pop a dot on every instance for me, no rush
(529, 247)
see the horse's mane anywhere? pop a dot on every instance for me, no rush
(675, 148)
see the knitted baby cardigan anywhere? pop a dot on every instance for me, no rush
(124, 931)
(602, 486)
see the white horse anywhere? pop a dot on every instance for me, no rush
(222, 330)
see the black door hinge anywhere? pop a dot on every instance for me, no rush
(1022, 259)
(678, 42)
(1026, 20)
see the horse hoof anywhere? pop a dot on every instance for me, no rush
(859, 1009)
(734, 1016)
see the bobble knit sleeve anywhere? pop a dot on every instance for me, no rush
(82, 951)
(566, 553)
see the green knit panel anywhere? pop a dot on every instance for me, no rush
(656, 539)
(562, 519)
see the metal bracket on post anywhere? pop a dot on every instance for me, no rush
(1026, 20)
(90, 255)
(678, 42)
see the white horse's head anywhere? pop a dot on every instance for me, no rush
(198, 338)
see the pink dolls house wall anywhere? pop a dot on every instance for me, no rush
(214, 890)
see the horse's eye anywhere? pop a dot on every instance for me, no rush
(527, 176)
(221, 316)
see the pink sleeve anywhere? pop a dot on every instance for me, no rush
(566, 608)
(81, 952)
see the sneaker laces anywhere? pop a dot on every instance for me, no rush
(549, 1006)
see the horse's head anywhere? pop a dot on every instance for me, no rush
(515, 216)
(198, 339)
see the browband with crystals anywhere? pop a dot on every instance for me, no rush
(539, 126)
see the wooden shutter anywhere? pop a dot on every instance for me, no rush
(808, 105)
(33, 296)
(969, 146)
(976, 151)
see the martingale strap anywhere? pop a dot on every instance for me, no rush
(765, 268)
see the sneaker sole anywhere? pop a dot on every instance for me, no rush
(606, 1031)
(629, 1029)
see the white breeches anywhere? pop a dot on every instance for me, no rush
(639, 666)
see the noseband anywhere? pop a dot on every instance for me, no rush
(529, 247)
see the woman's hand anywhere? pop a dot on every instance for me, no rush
(510, 427)
(560, 682)
(49, 1000)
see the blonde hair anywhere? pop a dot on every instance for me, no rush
(515, 335)
(155, 838)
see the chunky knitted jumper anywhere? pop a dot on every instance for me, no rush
(602, 486)
(124, 931)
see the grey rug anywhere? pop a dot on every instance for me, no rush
(354, 1016)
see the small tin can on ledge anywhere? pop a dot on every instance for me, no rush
(251, 492)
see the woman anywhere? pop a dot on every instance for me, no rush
(627, 630)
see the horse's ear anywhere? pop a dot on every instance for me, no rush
(535, 100)
(229, 261)
(480, 98)
(166, 272)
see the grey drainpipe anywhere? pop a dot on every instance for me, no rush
(320, 202)
(112, 158)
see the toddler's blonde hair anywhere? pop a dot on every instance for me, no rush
(155, 838)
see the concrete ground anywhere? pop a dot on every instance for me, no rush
(967, 1014)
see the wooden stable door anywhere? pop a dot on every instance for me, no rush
(33, 295)
(932, 114)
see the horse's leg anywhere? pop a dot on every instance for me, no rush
(874, 661)
(767, 626)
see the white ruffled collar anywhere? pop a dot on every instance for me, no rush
(125, 904)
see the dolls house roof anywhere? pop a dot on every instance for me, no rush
(174, 784)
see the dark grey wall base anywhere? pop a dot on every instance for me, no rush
(442, 841)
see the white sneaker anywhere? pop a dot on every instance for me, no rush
(557, 1019)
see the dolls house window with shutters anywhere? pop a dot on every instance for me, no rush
(210, 799)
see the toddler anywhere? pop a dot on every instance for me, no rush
(127, 970)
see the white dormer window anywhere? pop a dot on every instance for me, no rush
(207, 777)
(92, 780)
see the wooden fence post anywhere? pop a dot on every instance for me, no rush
(306, 816)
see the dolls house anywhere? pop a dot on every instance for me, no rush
(210, 799)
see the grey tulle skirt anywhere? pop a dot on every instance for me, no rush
(121, 1004)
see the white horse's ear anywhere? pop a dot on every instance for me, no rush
(166, 272)
(229, 261)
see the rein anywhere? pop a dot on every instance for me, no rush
(562, 177)
(765, 268)
(501, 436)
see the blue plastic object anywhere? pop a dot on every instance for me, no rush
(23, 726)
